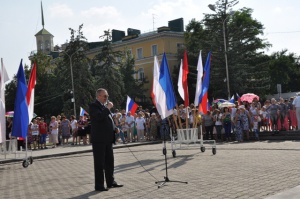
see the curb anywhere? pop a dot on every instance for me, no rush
(77, 152)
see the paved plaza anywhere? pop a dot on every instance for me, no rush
(245, 170)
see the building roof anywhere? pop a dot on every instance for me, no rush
(43, 32)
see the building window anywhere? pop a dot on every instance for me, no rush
(154, 50)
(141, 74)
(47, 45)
(40, 45)
(180, 45)
(139, 53)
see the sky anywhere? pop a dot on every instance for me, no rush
(21, 20)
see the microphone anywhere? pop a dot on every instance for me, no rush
(107, 103)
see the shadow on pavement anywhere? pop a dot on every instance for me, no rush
(86, 195)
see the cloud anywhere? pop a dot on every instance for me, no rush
(60, 11)
(105, 12)
(277, 10)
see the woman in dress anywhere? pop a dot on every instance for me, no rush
(245, 120)
(238, 126)
(65, 127)
(117, 120)
(153, 127)
(81, 124)
(226, 117)
(53, 126)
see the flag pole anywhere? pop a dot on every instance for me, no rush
(186, 117)
(175, 119)
(178, 115)
(195, 119)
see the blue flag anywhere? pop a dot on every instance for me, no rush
(21, 118)
(166, 83)
(164, 90)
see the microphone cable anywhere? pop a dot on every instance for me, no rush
(141, 164)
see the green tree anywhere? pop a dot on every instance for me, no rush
(244, 49)
(107, 64)
(11, 90)
(46, 90)
(132, 87)
(83, 80)
(284, 70)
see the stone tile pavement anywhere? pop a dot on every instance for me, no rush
(247, 170)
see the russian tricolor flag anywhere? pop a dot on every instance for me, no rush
(238, 98)
(232, 99)
(83, 112)
(205, 85)
(131, 105)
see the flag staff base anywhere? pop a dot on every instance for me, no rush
(162, 183)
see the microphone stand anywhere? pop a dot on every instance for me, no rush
(162, 183)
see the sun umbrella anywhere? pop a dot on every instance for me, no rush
(226, 104)
(216, 101)
(9, 114)
(249, 97)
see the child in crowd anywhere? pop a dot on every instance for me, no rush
(265, 119)
(255, 127)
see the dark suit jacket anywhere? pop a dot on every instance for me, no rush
(102, 126)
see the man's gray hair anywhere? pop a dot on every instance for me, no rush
(99, 91)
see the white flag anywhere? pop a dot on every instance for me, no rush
(199, 80)
(3, 78)
(179, 84)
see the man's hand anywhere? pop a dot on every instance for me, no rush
(110, 105)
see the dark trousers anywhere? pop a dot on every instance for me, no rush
(209, 130)
(103, 162)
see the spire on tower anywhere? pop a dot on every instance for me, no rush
(43, 23)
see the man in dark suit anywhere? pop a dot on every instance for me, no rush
(102, 138)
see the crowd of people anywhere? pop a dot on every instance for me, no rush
(246, 120)
(140, 126)
(242, 122)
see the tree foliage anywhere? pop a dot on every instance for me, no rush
(284, 70)
(107, 70)
(248, 71)
(132, 87)
(74, 57)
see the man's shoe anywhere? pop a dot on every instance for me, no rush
(101, 189)
(115, 185)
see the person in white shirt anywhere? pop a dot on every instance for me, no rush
(74, 129)
(130, 126)
(218, 125)
(296, 104)
(140, 127)
(35, 133)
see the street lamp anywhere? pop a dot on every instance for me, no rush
(213, 8)
(72, 80)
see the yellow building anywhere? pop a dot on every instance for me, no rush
(145, 46)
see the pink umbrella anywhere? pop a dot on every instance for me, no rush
(9, 114)
(249, 97)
